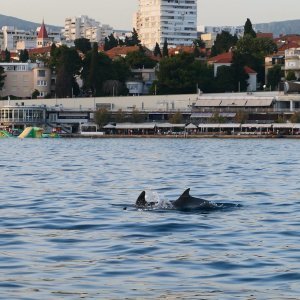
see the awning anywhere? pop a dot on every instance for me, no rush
(191, 126)
(169, 125)
(125, 126)
(256, 125)
(201, 115)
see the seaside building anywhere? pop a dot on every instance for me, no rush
(261, 108)
(171, 20)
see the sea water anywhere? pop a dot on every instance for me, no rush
(64, 232)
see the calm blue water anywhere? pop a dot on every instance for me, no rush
(64, 233)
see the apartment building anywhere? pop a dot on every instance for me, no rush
(171, 20)
(85, 27)
(11, 36)
(292, 61)
(24, 78)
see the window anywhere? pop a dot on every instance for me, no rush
(42, 83)
(41, 73)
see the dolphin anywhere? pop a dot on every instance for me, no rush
(141, 201)
(185, 201)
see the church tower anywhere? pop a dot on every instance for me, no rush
(43, 38)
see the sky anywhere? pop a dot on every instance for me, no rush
(118, 13)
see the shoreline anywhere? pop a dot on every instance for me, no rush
(179, 136)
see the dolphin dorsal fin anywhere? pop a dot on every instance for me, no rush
(184, 196)
(141, 201)
(186, 193)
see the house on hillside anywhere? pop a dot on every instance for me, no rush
(225, 59)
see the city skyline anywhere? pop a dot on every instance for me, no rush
(119, 14)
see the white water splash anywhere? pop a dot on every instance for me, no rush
(160, 203)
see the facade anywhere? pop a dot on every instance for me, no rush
(85, 27)
(70, 114)
(24, 78)
(11, 36)
(233, 30)
(171, 20)
(18, 116)
(292, 61)
(141, 82)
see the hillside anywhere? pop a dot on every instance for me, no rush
(278, 28)
(22, 24)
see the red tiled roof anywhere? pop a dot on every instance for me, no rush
(248, 70)
(288, 45)
(39, 50)
(265, 35)
(120, 51)
(224, 58)
(43, 32)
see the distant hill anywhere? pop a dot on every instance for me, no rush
(22, 24)
(278, 28)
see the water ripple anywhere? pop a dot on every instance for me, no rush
(65, 235)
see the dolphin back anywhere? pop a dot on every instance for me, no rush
(141, 200)
(186, 201)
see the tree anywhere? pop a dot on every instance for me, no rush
(120, 69)
(97, 68)
(102, 117)
(133, 40)
(291, 76)
(248, 29)
(139, 60)
(2, 78)
(196, 52)
(112, 88)
(199, 43)
(225, 79)
(6, 55)
(67, 64)
(35, 94)
(176, 118)
(137, 116)
(83, 45)
(239, 61)
(223, 43)
(241, 116)
(274, 76)
(165, 52)
(295, 118)
(110, 42)
(252, 51)
(119, 116)
(181, 74)
(24, 56)
(157, 51)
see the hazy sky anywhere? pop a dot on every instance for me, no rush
(118, 13)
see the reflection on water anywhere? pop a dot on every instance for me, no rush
(64, 233)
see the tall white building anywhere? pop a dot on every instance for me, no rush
(85, 27)
(171, 20)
